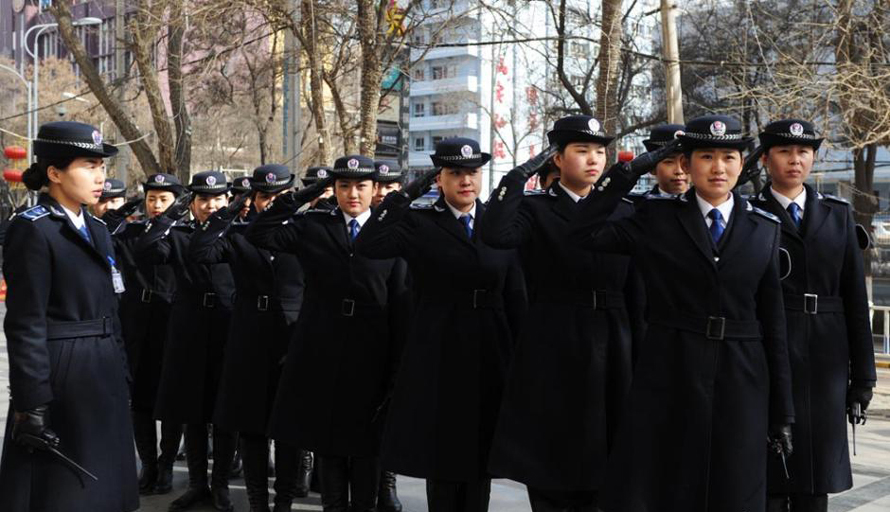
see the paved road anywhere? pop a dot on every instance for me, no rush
(871, 468)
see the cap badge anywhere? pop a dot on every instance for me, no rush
(352, 164)
(322, 173)
(384, 169)
(593, 125)
(97, 137)
(107, 186)
(796, 129)
(679, 133)
(718, 128)
(466, 151)
(159, 178)
(270, 178)
(210, 181)
(246, 183)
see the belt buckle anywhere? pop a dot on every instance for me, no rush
(716, 327)
(146, 295)
(262, 303)
(348, 307)
(476, 298)
(209, 300)
(810, 303)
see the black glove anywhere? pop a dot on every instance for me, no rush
(779, 440)
(420, 185)
(645, 163)
(180, 207)
(234, 208)
(30, 430)
(293, 201)
(525, 171)
(860, 395)
(114, 218)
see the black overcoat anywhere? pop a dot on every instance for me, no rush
(268, 294)
(59, 283)
(829, 344)
(341, 362)
(199, 324)
(571, 369)
(453, 369)
(714, 372)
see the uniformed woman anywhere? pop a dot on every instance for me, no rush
(826, 309)
(468, 295)
(199, 328)
(572, 365)
(713, 383)
(340, 365)
(268, 295)
(68, 374)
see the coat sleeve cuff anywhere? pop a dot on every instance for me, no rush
(24, 400)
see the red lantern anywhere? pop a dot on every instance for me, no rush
(625, 156)
(12, 175)
(15, 152)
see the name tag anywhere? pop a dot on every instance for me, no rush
(117, 280)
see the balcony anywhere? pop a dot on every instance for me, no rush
(419, 159)
(447, 51)
(445, 85)
(463, 121)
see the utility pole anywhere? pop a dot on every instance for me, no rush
(292, 140)
(671, 52)
(123, 157)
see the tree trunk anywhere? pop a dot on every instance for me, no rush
(578, 96)
(112, 106)
(371, 75)
(610, 54)
(181, 119)
(316, 81)
(346, 128)
(865, 202)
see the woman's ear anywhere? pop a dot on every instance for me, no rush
(557, 160)
(54, 174)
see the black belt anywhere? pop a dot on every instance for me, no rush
(712, 327)
(267, 302)
(79, 329)
(467, 299)
(146, 295)
(596, 299)
(811, 304)
(347, 307)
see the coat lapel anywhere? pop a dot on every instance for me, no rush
(336, 228)
(693, 222)
(815, 213)
(564, 206)
(98, 247)
(445, 220)
(773, 206)
(742, 227)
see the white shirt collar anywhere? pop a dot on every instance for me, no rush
(362, 217)
(801, 200)
(725, 208)
(662, 192)
(575, 197)
(77, 218)
(457, 213)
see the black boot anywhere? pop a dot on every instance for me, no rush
(777, 503)
(224, 444)
(304, 477)
(196, 458)
(315, 481)
(171, 433)
(287, 470)
(237, 465)
(146, 439)
(387, 499)
(255, 455)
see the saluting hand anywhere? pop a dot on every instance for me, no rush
(30, 430)
(534, 163)
(293, 201)
(180, 207)
(645, 163)
(420, 185)
(114, 218)
(234, 208)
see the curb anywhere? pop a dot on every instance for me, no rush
(882, 361)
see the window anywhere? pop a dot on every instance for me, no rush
(437, 139)
(419, 110)
(578, 49)
(419, 74)
(419, 144)
(577, 81)
(443, 72)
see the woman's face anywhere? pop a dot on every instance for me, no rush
(81, 182)
(204, 205)
(580, 163)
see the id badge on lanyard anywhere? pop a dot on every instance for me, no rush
(117, 280)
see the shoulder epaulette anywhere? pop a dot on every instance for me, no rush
(535, 192)
(763, 213)
(35, 212)
(661, 196)
(626, 200)
(318, 211)
(98, 219)
(835, 199)
(420, 206)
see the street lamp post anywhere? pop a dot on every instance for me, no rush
(35, 103)
(29, 134)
